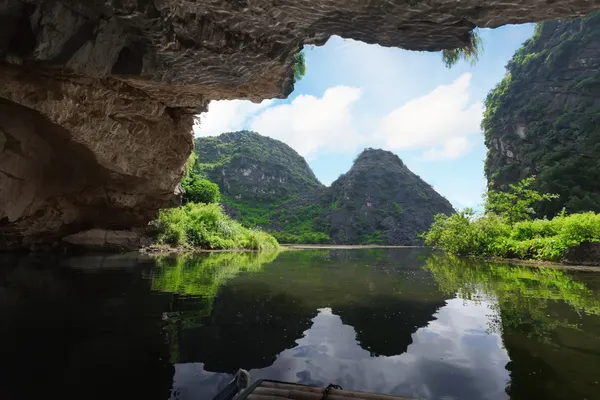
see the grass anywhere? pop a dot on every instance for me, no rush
(206, 226)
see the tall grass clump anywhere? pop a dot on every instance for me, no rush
(206, 226)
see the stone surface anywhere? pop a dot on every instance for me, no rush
(103, 239)
(98, 97)
(584, 254)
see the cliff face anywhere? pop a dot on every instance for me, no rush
(544, 117)
(381, 201)
(98, 97)
(252, 169)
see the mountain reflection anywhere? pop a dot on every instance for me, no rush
(255, 316)
(471, 363)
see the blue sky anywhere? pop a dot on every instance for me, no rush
(356, 95)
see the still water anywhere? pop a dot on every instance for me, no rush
(398, 321)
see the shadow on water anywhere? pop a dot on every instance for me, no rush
(84, 327)
(399, 321)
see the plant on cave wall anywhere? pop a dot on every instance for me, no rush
(469, 53)
(299, 66)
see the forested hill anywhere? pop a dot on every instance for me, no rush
(381, 201)
(253, 169)
(265, 183)
(543, 118)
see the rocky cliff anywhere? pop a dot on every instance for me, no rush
(381, 201)
(254, 169)
(544, 117)
(97, 97)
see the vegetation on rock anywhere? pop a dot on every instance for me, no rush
(469, 53)
(201, 222)
(197, 189)
(299, 66)
(543, 118)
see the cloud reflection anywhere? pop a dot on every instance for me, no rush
(451, 358)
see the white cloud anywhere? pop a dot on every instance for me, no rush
(309, 124)
(439, 122)
(227, 116)
(451, 150)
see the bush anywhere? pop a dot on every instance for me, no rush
(206, 226)
(200, 191)
(465, 233)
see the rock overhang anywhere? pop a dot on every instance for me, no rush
(98, 97)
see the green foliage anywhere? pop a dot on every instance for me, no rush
(299, 66)
(464, 233)
(196, 189)
(206, 226)
(516, 204)
(469, 53)
(200, 191)
(373, 238)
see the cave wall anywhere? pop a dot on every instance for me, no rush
(98, 96)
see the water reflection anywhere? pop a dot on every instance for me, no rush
(452, 357)
(401, 321)
(549, 320)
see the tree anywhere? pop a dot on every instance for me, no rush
(200, 191)
(516, 204)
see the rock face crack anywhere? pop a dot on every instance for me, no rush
(100, 95)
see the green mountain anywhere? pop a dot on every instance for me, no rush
(253, 169)
(544, 117)
(381, 201)
(266, 183)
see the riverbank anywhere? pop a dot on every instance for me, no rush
(343, 246)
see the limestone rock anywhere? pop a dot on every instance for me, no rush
(102, 239)
(544, 117)
(584, 254)
(97, 97)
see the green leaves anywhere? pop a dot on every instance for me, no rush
(469, 53)
(299, 66)
(200, 191)
(517, 203)
(465, 233)
(206, 226)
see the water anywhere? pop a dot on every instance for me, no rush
(398, 321)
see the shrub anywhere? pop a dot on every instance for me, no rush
(465, 233)
(200, 191)
(206, 226)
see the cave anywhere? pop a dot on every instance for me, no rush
(97, 98)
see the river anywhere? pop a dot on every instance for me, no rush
(408, 322)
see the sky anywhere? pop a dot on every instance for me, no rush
(356, 95)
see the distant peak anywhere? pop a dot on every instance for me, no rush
(377, 154)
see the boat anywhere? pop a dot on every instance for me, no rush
(240, 388)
